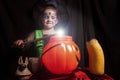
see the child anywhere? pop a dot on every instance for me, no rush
(48, 18)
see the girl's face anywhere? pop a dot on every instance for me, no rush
(49, 18)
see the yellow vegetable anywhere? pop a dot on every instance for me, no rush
(96, 57)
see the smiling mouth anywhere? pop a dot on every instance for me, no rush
(49, 23)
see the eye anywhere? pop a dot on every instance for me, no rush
(45, 17)
(53, 17)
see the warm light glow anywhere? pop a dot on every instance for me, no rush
(60, 32)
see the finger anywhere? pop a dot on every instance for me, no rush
(19, 43)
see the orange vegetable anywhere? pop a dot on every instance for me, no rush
(96, 57)
(61, 55)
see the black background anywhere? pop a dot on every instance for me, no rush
(85, 19)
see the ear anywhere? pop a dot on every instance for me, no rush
(20, 61)
(26, 61)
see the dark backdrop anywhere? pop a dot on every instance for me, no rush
(84, 20)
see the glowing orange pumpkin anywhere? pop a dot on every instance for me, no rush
(61, 55)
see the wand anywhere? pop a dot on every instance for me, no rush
(35, 40)
(26, 43)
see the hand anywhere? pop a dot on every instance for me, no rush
(19, 43)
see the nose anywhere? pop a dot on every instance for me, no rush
(49, 19)
(22, 67)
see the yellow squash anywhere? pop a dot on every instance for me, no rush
(96, 57)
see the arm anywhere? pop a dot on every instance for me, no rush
(20, 42)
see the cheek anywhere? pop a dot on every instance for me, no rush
(55, 20)
(44, 21)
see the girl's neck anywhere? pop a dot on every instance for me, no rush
(49, 31)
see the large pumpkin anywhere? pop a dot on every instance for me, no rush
(61, 55)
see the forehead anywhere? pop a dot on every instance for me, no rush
(50, 11)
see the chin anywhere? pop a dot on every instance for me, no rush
(50, 27)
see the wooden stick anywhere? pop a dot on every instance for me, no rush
(35, 40)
